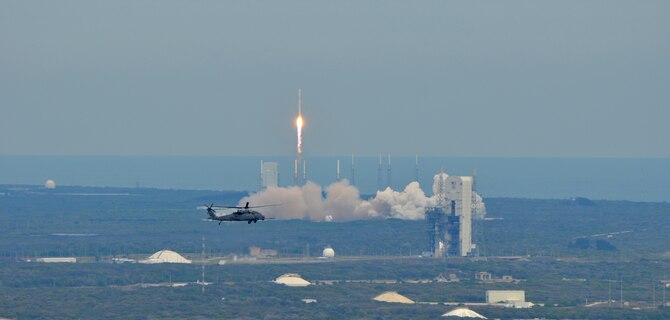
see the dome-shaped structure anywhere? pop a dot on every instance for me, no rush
(50, 184)
(463, 313)
(292, 280)
(393, 297)
(328, 252)
(165, 256)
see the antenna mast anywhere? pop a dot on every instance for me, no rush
(388, 174)
(416, 168)
(379, 174)
(202, 256)
(295, 172)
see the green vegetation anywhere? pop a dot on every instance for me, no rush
(574, 252)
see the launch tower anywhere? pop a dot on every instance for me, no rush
(450, 221)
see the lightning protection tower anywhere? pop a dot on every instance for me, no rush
(416, 168)
(379, 174)
(388, 174)
(338, 170)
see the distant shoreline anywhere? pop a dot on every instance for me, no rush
(77, 191)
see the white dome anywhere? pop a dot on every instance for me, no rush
(50, 184)
(393, 297)
(328, 252)
(292, 280)
(166, 256)
(463, 313)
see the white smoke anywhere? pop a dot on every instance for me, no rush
(478, 207)
(342, 202)
(409, 204)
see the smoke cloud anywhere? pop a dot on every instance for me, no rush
(341, 202)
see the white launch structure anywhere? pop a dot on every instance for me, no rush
(458, 192)
(450, 221)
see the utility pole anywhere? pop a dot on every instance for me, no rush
(653, 292)
(621, 292)
(609, 292)
(202, 255)
(664, 285)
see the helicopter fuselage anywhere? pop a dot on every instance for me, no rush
(240, 215)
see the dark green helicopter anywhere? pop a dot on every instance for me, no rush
(242, 214)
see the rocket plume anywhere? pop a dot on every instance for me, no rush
(298, 121)
(298, 124)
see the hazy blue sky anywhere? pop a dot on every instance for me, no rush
(497, 78)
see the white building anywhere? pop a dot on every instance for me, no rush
(454, 193)
(57, 260)
(269, 174)
(504, 296)
(508, 298)
(459, 189)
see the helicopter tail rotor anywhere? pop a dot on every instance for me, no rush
(211, 212)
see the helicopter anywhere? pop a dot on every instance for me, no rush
(242, 214)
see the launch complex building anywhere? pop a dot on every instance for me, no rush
(450, 221)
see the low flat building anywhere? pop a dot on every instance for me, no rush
(508, 298)
(504, 296)
(57, 260)
(483, 276)
(262, 253)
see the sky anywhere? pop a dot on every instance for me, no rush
(440, 78)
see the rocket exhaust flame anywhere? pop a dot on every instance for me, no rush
(299, 122)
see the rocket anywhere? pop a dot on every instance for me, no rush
(298, 122)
